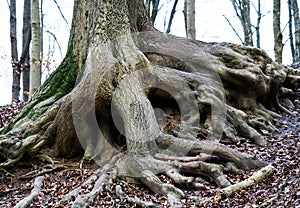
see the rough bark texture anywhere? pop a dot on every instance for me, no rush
(154, 103)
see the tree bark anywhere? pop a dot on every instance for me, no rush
(291, 34)
(35, 65)
(257, 28)
(296, 16)
(278, 46)
(189, 7)
(125, 94)
(14, 52)
(25, 58)
(242, 10)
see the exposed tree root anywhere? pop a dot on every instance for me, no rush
(112, 106)
(100, 179)
(38, 183)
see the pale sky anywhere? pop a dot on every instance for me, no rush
(211, 26)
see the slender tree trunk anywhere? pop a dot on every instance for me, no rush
(247, 22)
(35, 66)
(259, 16)
(172, 16)
(189, 7)
(42, 30)
(278, 46)
(242, 10)
(14, 52)
(25, 57)
(296, 15)
(291, 34)
(152, 9)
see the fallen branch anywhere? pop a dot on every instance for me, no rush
(254, 179)
(38, 182)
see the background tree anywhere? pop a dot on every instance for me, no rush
(35, 66)
(242, 10)
(257, 27)
(20, 66)
(173, 11)
(14, 51)
(100, 103)
(152, 9)
(296, 18)
(189, 15)
(278, 46)
(291, 34)
(26, 36)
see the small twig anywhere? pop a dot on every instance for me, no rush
(62, 15)
(55, 40)
(36, 173)
(266, 202)
(234, 30)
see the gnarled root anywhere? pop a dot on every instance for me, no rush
(27, 137)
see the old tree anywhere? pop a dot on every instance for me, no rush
(141, 103)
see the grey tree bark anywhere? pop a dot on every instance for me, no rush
(130, 97)
(14, 51)
(35, 65)
(278, 46)
(291, 33)
(242, 10)
(296, 17)
(189, 14)
(25, 53)
(152, 7)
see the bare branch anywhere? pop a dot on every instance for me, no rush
(55, 39)
(234, 30)
(58, 7)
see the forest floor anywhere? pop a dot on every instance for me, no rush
(282, 189)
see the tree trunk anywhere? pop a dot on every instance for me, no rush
(35, 65)
(278, 46)
(296, 16)
(14, 51)
(128, 94)
(25, 58)
(189, 7)
(291, 34)
(172, 16)
(242, 10)
(152, 10)
(259, 16)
